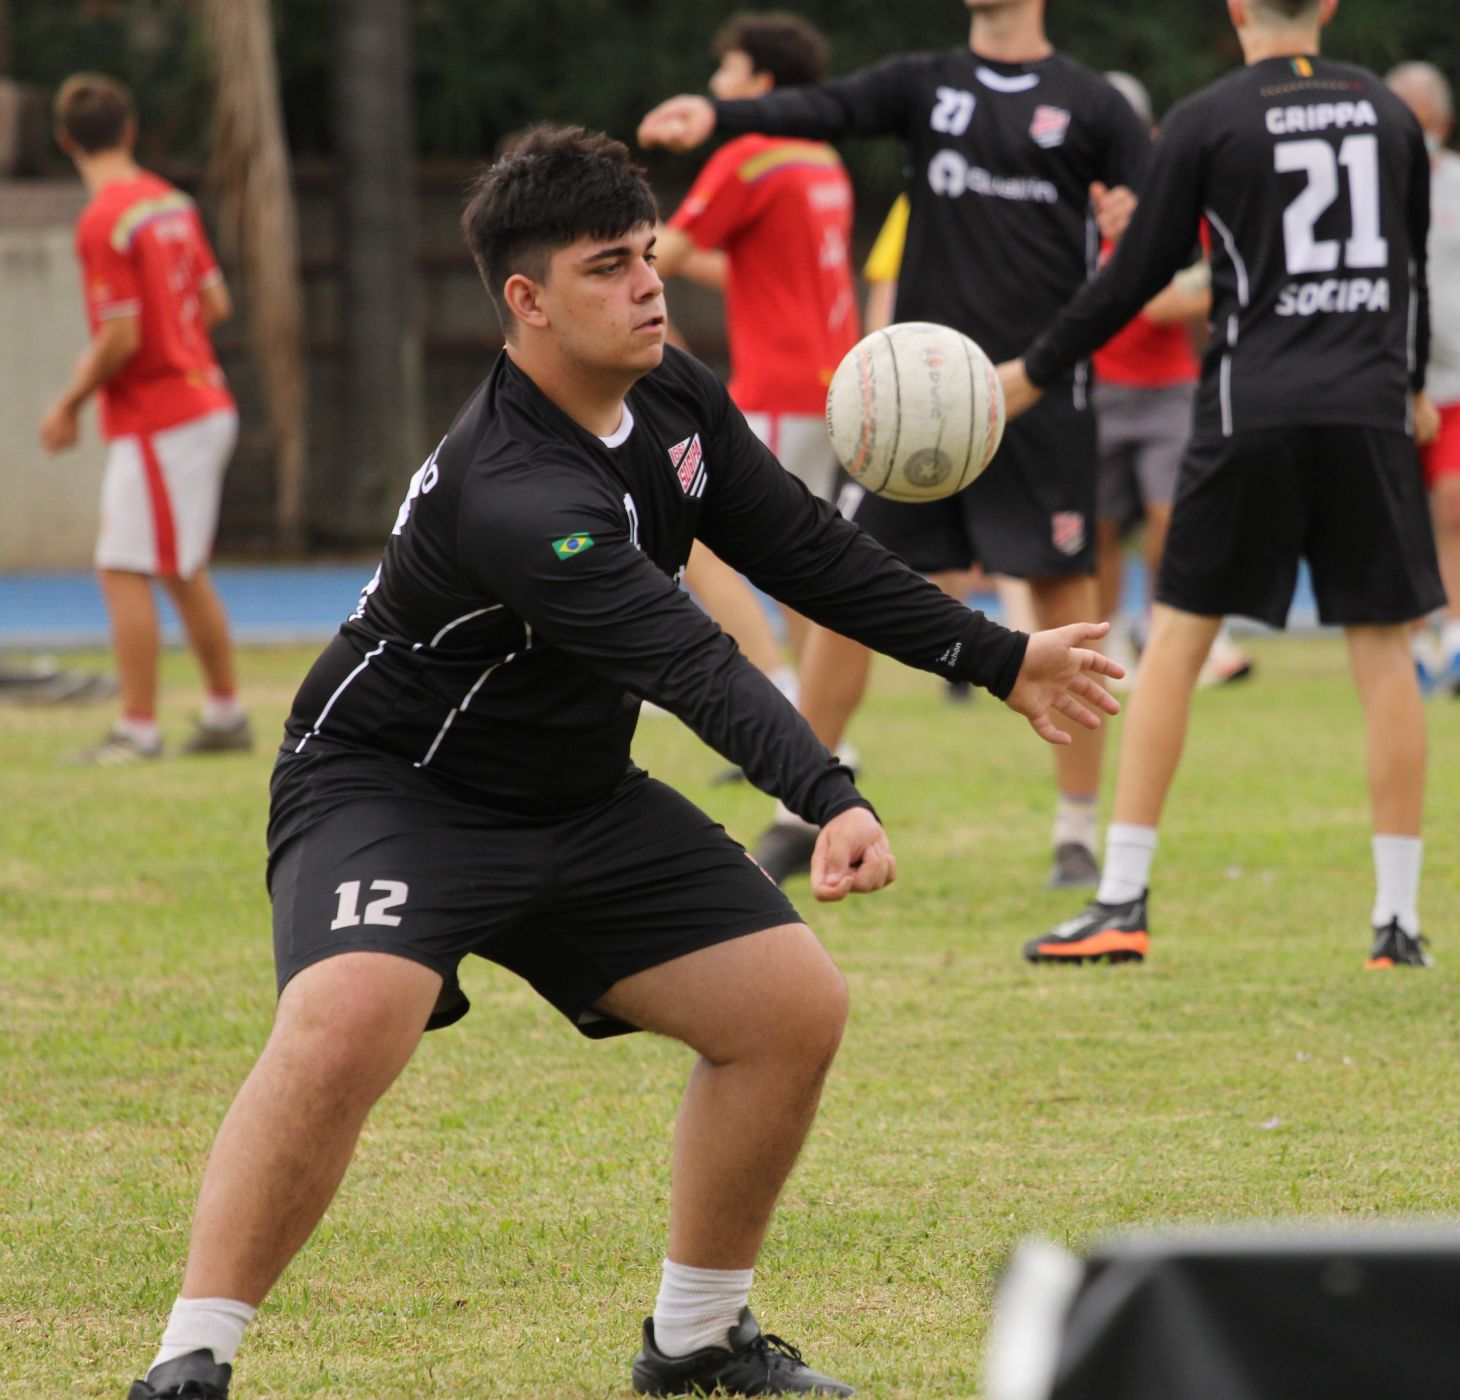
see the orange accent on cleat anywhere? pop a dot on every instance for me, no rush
(1378, 962)
(1099, 945)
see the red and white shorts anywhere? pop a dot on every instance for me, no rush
(160, 494)
(1442, 456)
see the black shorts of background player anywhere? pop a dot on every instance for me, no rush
(455, 777)
(1315, 181)
(1014, 151)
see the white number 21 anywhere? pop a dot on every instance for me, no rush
(378, 911)
(1364, 247)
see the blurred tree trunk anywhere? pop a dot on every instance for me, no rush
(259, 230)
(376, 241)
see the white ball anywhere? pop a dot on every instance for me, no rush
(915, 411)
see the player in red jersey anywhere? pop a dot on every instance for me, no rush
(152, 290)
(781, 212)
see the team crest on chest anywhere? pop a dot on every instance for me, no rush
(1049, 126)
(688, 460)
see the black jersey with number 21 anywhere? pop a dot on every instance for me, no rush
(1314, 182)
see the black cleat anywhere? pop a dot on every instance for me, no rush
(754, 1363)
(784, 850)
(1395, 948)
(195, 1376)
(1114, 932)
(1075, 867)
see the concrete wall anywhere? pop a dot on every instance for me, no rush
(48, 505)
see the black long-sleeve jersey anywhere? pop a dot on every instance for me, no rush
(1001, 157)
(528, 598)
(1314, 180)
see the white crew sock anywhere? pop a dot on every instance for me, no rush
(786, 817)
(1126, 872)
(785, 680)
(698, 1307)
(142, 730)
(1075, 821)
(205, 1324)
(1396, 880)
(1450, 637)
(222, 711)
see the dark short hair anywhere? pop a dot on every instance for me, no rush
(94, 111)
(792, 51)
(1288, 9)
(552, 186)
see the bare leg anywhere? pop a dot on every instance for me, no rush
(1157, 712)
(344, 1029)
(133, 617)
(834, 672)
(798, 628)
(206, 624)
(1394, 718)
(1058, 601)
(1445, 508)
(1158, 522)
(765, 1013)
(728, 599)
(1109, 568)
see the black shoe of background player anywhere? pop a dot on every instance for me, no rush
(784, 850)
(1395, 948)
(958, 692)
(195, 1376)
(1075, 867)
(755, 1363)
(1112, 932)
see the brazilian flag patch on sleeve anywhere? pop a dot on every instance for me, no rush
(570, 545)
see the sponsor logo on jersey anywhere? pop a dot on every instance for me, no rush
(1049, 126)
(1067, 531)
(1333, 294)
(688, 460)
(570, 545)
(949, 174)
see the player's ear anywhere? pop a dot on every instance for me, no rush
(1326, 11)
(1237, 13)
(523, 297)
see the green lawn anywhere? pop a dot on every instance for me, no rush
(501, 1230)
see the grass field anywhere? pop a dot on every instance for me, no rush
(501, 1230)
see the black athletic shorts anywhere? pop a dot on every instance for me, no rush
(1031, 514)
(368, 853)
(1349, 500)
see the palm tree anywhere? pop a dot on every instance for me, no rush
(259, 231)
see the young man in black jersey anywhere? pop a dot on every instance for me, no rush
(1014, 150)
(455, 777)
(1314, 180)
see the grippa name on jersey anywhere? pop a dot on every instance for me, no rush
(1319, 116)
(1338, 294)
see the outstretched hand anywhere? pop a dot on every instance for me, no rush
(1058, 677)
(851, 856)
(679, 124)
